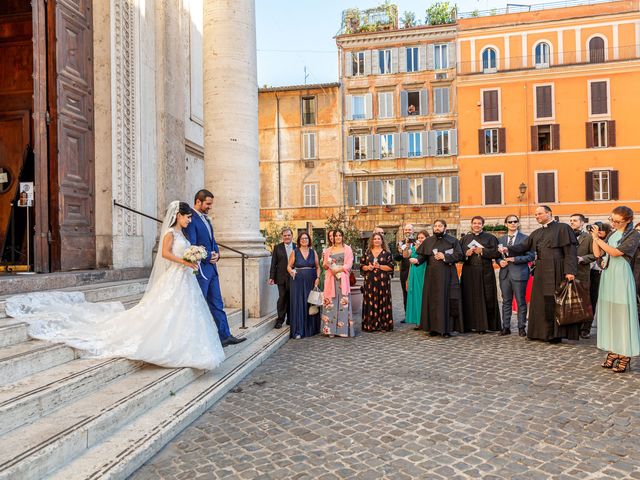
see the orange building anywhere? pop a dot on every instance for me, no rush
(300, 156)
(547, 111)
(399, 124)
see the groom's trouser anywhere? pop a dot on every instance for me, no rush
(211, 290)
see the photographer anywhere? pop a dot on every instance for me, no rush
(402, 256)
(617, 313)
(585, 259)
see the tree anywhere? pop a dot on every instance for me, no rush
(441, 13)
(351, 233)
(408, 19)
(273, 232)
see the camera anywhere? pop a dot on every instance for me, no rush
(589, 228)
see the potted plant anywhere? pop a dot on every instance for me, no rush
(415, 208)
(387, 208)
(364, 209)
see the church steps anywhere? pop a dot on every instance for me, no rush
(37, 449)
(26, 358)
(42, 393)
(129, 448)
(12, 333)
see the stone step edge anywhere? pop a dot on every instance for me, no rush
(36, 459)
(106, 460)
(79, 383)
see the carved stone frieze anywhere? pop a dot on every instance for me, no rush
(125, 131)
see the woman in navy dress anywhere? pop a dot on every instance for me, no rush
(304, 269)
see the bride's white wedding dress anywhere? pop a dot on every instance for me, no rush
(171, 326)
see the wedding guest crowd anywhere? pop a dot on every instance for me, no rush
(601, 259)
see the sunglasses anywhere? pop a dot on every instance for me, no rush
(512, 221)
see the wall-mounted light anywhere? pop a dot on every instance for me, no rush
(523, 189)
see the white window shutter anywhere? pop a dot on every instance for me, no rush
(432, 143)
(424, 147)
(367, 62)
(455, 189)
(391, 105)
(424, 102)
(430, 56)
(368, 106)
(453, 142)
(348, 64)
(351, 195)
(370, 147)
(350, 147)
(404, 141)
(381, 109)
(394, 60)
(451, 50)
(404, 103)
(375, 62)
(349, 107)
(402, 59)
(376, 147)
(396, 145)
(446, 104)
(422, 53)
(430, 190)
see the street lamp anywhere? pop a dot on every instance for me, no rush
(523, 190)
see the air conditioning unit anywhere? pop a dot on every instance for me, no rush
(309, 164)
(441, 76)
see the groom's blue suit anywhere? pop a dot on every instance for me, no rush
(198, 234)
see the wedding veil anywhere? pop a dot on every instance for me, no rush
(160, 264)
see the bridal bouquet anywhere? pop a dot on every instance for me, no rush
(336, 268)
(195, 254)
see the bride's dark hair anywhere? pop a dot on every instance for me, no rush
(183, 209)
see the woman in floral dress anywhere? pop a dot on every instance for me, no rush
(376, 266)
(336, 315)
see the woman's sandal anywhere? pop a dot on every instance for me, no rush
(623, 364)
(610, 360)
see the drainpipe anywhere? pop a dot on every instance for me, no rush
(278, 152)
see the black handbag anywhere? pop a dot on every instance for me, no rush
(573, 303)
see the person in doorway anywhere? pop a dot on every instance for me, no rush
(279, 276)
(478, 279)
(513, 276)
(200, 232)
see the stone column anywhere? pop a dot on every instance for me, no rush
(231, 167)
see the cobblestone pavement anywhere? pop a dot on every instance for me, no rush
(402, 405)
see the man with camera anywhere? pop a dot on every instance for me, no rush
(586, 257)
(404, 246)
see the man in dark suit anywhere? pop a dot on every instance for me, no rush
(585, 259)
(514, 274)
(200, 232)
(279, 276)
(405, 265)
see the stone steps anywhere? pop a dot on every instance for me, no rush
(56, 408)
(129, 448)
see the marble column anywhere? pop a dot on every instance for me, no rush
(231, 165)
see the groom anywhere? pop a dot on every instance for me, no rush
(200, 232)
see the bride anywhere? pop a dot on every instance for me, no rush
(171, 326)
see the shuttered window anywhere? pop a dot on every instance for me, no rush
(596, 50)
(544, 101)
(490, 106)
(601, 185)
(441, 100)
(546, 187)
(308, 110)
(311, 195)
(493, 189)
(309, 146)
(599, 103)
(357, 66)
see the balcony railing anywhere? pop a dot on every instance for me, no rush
(555, 60)
(383, 17)
(519, 8)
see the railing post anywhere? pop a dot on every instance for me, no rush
(244, 326)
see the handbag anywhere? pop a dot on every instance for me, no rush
(573, 303)
(352, 279)
(316, 297)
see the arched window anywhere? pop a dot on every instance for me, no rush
(542, 55)
(489, 59)
(596, 50)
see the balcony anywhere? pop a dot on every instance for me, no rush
(516, 8)
(377, 19)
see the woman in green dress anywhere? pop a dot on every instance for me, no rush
(617, 310)
(415, 282)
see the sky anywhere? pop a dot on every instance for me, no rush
(294, 34)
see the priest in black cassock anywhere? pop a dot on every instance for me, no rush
(441, 305)
(478, 280)
(556, 259)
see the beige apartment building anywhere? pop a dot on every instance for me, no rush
(398, 90)
(300, 156)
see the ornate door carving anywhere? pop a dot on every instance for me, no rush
(74, 175)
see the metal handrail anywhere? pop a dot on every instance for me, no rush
(243, 256)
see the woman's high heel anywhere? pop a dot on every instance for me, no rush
(610, 360)
(623, 364)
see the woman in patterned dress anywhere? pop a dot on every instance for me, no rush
(376, 266)
(336, 315)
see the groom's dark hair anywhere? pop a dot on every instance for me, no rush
(202, 195)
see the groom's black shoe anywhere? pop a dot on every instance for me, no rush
(231, 340)
(278, 324)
